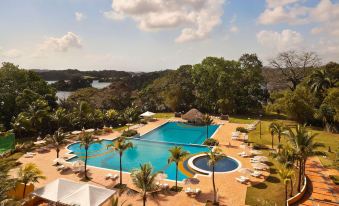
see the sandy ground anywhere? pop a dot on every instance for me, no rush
(230, 191)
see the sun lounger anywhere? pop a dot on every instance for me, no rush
(111, 176)
(28, 155)
(241, 179)
(254, 160)
(256, 174)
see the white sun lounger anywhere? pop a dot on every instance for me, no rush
(241, 179)
(256, 174)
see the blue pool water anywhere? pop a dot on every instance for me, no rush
(177, 132)
(150, 148)
(226, 164)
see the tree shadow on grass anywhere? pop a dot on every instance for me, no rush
(261, 186)
(273, 179)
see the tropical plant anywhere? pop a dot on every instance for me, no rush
(214, 156)
(277, 128)
(58, 138)
(320, 80)
(211, 142)
(120, 146)
(207, 120)
(285, 176)
(7, 184)
(177, 154)
(144, 179)
(86, 140)
(304, 147)
(29, 173)
(115, 202)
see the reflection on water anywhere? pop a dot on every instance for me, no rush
(66, 94)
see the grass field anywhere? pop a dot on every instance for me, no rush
(241, 119)
(164, 115)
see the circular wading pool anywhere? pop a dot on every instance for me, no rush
(225, 165)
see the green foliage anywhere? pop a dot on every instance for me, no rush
(129, 133)
(241, 129)
(211, 142)
(73, 84)
(335, 179)
(177, 154)
(29, 173)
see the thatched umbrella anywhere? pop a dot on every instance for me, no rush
(193, 116)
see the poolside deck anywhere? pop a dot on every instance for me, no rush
(231, 192)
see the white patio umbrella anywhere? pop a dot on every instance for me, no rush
(147, 114)
(76, 132)
(161, 176)
(89, 130)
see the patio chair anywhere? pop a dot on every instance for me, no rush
(241, 180)
(256, 174)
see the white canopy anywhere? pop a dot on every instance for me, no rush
(73, 193)
(147, 114)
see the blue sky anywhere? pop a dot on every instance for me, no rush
(146, 35)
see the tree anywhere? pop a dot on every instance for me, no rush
(120, 146)
(86, 140)
(277, 128)
(207, 120)
(295, 66)
(29, 173)
(285, 176)
(177, 155)
(304, 147)
(144, 179)
(7, 184)
(214, 156)
(320, 80)
(111, 117)
(58, 138)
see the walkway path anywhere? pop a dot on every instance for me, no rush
(322, 191)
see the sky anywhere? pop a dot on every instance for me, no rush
(149, 35)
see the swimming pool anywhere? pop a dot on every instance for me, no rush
(182, 133)
(150, 148)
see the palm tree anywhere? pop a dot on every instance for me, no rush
(115, 202)
(214, 156)
(144, 179)
(277, 128)
(58, 138)
(86, 139)
(29, 173)
(207, 120)
(120, 146)
(285, 176)
(177, 155)
(304, 147)
(320, 80)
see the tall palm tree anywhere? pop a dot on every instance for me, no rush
(86, 139)
(277, 128)
(207, 120)
(285, 176)
(214, 156)
(144, 179)
(320, 80)
(177, 155)
(29, 173)
(120, 146)
(58, 138)
(304, 147)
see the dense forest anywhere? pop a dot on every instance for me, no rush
(294, 84)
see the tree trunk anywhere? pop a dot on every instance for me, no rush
(279, 137)
(86, 149)
(57, 151)
(120, 170)
(207, 131)
(23, 195)
(285, 194)
(144, 199)
(291, 193)
(176, 177)
(300, 171)
(272, 140)
(214, 191)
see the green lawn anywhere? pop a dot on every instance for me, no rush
(271, 191)
(164, 115)
(241, 119)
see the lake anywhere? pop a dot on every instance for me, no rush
(66, 94)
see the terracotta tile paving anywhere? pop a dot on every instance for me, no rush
(230, 192)
(322, 191)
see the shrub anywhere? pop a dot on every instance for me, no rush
(99, 132)
(108, 130)
(242, 130)
(335, 179)
(129, 133)
(143, 121)
(211, 142)
(259, 146)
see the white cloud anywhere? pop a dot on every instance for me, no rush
(280, 41)
(276, 3)
(234, 29)
(11, 53)
(79, 16)
(62, 44)
(195, 18)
